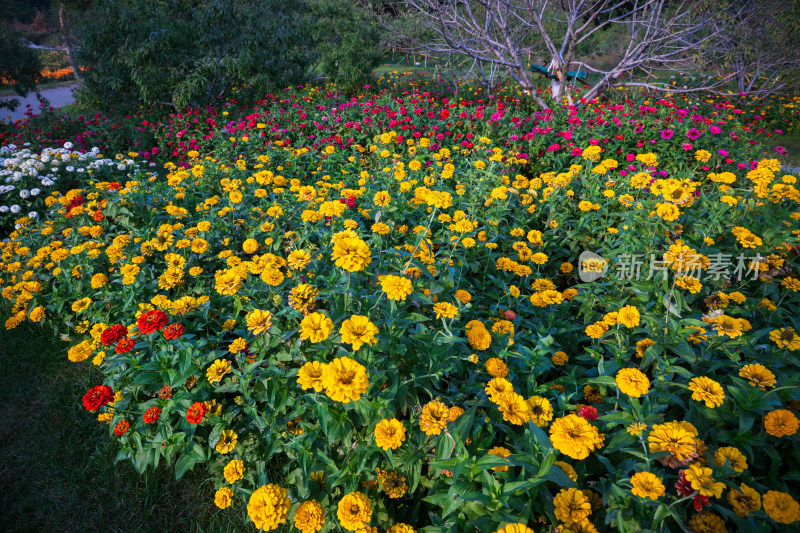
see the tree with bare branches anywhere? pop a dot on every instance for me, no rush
(657, 37)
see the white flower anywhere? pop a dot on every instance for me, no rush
(15, 208)
(33, 214)
(68, 145)
(3, 209)
(24, 193)
(70, 168)
(35, 192)
(120, 167)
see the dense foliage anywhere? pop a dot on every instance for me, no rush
(19, 66)
(380, 299)
(199, 53)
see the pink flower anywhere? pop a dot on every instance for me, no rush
(687, 146)
(667, 134)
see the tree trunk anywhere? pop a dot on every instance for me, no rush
(68, 44)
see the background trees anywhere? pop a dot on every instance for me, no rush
(716, 41)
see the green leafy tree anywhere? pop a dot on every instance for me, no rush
(347, 42)
(19, 66)
(192, 52)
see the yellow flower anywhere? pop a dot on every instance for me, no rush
(316, 327)
(781, 423)
(390, 433)
(499, 451)
(477, 335)
(463, 296)
(36, 314)
(394, 484)
(514, 408)
(354, 511)
(541, 410)
(515, 528)
(234, 471)
(350, 253)
(444, 309)
(674, 438)
(309, 516)
(732, 456)
(575, 436)
(701, 480)
(358, 330)
(268, 507)
(396, 287)
(628, 316)
(218, 369)
(310, 375)
(496, 387)
(382, 198)
(707, 522)
(223, 498)
(81, 304)
(559, 358)
(781, 507)
(596, 330)
(572, 506)
(783, 337)
(259, 321)
(298, 259)
(434, 417)
(636, 428)
(227, 441)
(345, 380)
(496, 367)
(238, 345)
(80, 352)
(727, 325)
(643, 345)
(744, 501)
(632, 382)
(707, 390)
(250, 246)
(647, 485)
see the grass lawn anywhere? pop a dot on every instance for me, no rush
(58, 471)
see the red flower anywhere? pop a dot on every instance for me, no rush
(98, 216)
(121, 428)
(164, 392)
(151, 321)
(113, 334)
(197, 411)
(173, 331)
(588, 412)
(97, 397)
(510, 315)
(152, 415)
(124, 345)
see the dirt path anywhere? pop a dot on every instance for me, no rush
(57, 96)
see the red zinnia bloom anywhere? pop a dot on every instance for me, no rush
(151, 321)
(196, 413)
(113, 334)
(588, 412)
(165, 392)
(152, 415)
(173, 331)
(121, 428)
(98, 216)
(97, 397)
(124, 345)
(510, 315)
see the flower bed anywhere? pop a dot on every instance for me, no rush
(28, 177)
(401, 329)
